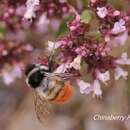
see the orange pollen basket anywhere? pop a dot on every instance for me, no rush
(65, 94)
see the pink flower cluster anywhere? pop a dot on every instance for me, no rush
(41, 14)
(32, 7)
(113, 23)
(77, 47)
(11, 16)
(12, 55)
(77, 50)
(56, 7)
(49, 7)
(8, 12)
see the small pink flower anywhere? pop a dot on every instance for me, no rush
(29, 14)
(55, 24)
(32, 3)
(62, 68)
(75, 23)
(77, 18)
(126, 18)
(119, 72)
(93, 1)
(28, 47)
(116, 13)
(62, 1)
(120, 40)
(85, 88)
(81, 51)
(20, 10)
(104, 77)
(76, 63)
(72, 28)
(97, 88)
(10, 76)
(7, 78)
(102, 12)
(32, 6)
(52, 45)
(107, 38)
(43, 22)
(123, 60)
(119, 27)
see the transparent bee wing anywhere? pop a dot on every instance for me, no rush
(43, 108)
(65, 76)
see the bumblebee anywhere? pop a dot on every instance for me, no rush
(49, 87)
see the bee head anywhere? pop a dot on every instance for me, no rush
(35, 74)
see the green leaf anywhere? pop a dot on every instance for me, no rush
(85, 3)
(2, 28)
(96, 34)
(63, 29)
(86, 16)
(117, 5)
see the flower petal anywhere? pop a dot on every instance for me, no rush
(52, 45)
(97, 88)
(32, 6)
(76, 63)
(85, 88)
(42, 23)
(62, 68)
(102, 12)
(119, 72)
(119, 27)
(120, 40)
(123, 60)
(11, 75)
(104, 76)
(29, 14)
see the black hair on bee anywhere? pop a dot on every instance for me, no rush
(29, 68)
(35, 74)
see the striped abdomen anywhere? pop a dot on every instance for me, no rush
(56, 90)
